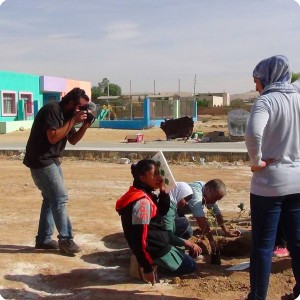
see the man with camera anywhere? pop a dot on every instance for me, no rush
(53, 126)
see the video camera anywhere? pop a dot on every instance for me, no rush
(87, 109)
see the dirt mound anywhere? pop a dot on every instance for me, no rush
(232, 247)
(235, 247)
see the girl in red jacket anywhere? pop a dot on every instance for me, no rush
(141, 214)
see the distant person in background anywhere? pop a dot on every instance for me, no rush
(53, 126)
(273, 143)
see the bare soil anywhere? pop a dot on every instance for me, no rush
(101, 269)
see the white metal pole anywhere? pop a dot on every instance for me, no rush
(195, 80)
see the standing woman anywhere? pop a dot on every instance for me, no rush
(273, 142)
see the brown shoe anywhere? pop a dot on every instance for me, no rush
(52, 245)
(68, 247)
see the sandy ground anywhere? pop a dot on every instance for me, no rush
(100, 270)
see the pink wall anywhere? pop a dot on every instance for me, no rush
(85, 85)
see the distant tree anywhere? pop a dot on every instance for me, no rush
(295, 76)
(237, 103)
(202, 103)
(102, 89)
(114, 90)
(95, 92)
(102, 85)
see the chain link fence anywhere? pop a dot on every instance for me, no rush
(161, 109)
(187, 106)
(164, 109)
(119, 109)
(126, 109)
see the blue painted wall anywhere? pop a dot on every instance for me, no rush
(143, 123)
(122, 124)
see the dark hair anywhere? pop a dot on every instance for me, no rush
(141, 167)
(216, 185)
(74, 95)
(86, 97)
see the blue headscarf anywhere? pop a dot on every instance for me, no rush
(275, 69)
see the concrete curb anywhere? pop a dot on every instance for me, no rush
(173, 156)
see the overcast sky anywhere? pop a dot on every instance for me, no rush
(145, 40)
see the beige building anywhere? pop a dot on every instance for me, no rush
(215, 99)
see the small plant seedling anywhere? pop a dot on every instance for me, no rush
(211, 219)
(241, 206)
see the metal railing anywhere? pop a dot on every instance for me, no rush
(119, 110)
(123, 109)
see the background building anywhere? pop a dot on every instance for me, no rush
(215, 99)
(22, 95)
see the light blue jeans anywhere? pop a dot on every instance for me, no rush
(49, 181)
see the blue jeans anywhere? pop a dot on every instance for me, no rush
(265, 215)
(187, 266)
(183, 228)
(49, 181)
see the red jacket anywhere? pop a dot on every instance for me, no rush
(140, 221)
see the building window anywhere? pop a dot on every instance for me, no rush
(9, 104)
(28, 104)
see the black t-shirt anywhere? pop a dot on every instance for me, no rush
(39, 151)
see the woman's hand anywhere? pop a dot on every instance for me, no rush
(263, 164)
(162, 185)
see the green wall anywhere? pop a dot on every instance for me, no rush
(18, 82)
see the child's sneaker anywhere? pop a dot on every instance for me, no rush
(281, 252)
